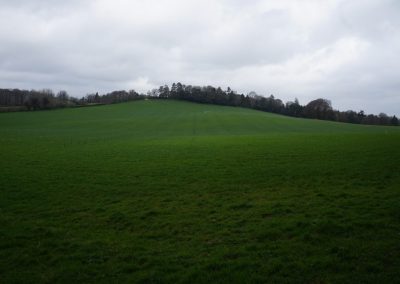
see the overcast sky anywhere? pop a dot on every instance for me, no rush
(345, 51)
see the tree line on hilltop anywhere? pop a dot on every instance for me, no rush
(318, 109)
(15, 99)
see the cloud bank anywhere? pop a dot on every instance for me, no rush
(346, 51)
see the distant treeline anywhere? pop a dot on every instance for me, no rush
(318, 109)
(15, 99)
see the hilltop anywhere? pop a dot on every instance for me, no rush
(176, 118)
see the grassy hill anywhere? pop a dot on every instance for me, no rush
(164, 191)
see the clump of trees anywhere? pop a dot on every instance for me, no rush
(322, 109)
(15, 99)
(35, 100)
(112, 98)
(317, 109)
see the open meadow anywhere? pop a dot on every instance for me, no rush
(161, 191)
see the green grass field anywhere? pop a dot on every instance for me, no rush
(171, 192)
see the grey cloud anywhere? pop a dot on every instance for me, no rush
(342, 50)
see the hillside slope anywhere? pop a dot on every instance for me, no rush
(164, 191)
(172, 118)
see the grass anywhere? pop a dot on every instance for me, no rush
(174, 192)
